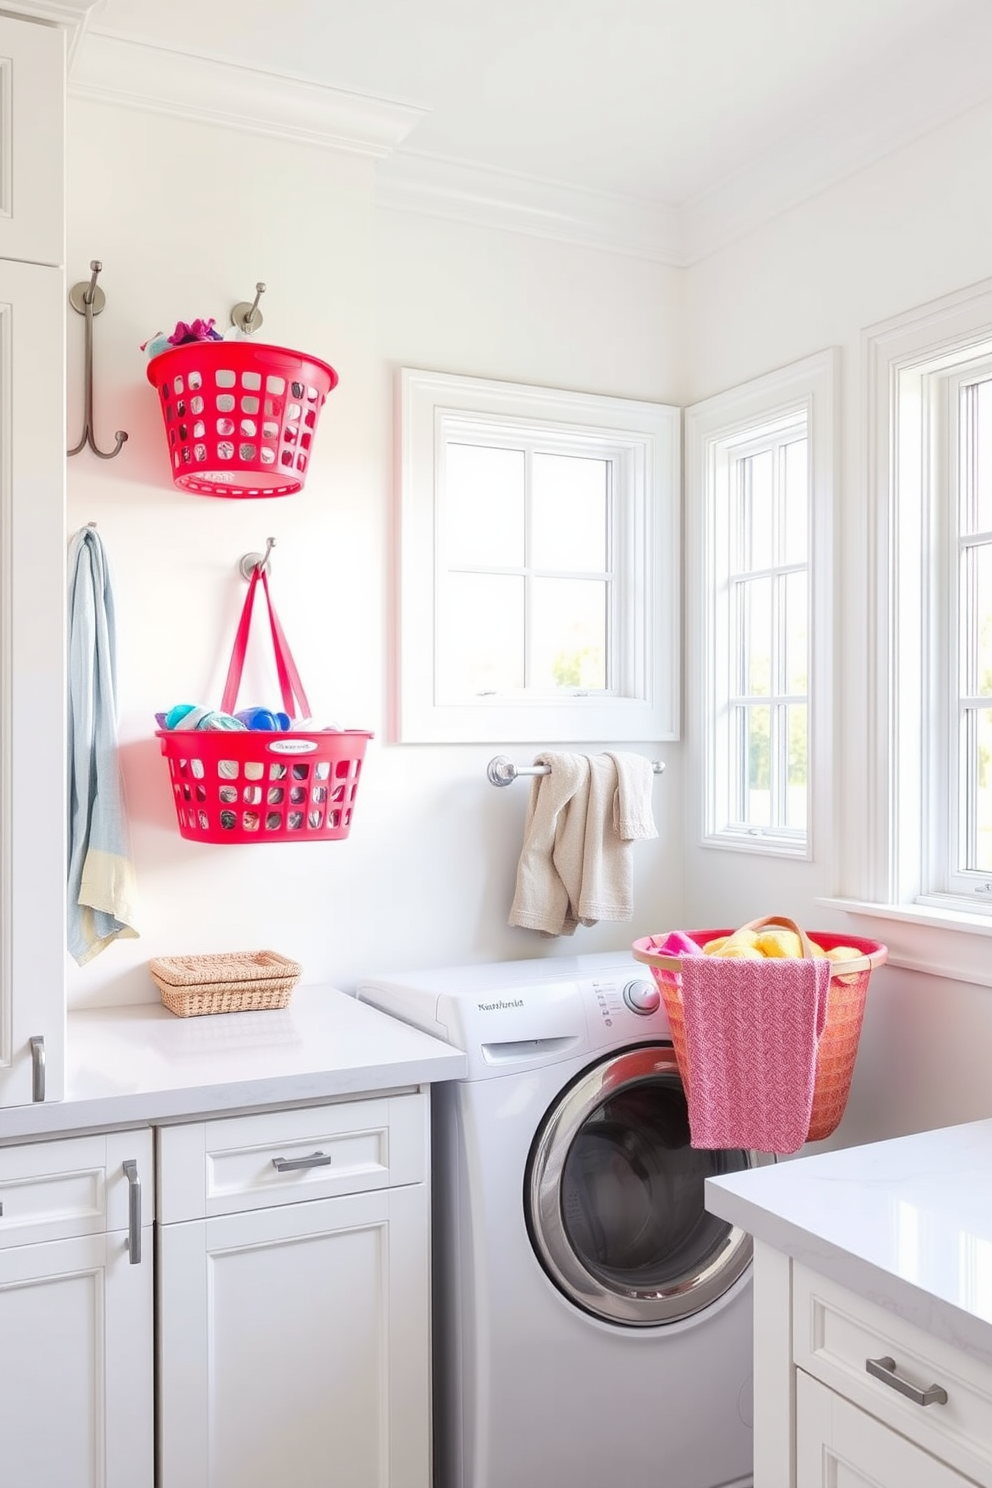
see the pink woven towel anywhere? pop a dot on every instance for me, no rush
(752, 1028)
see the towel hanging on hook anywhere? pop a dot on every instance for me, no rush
(88, 300)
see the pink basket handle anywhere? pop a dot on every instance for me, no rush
(286, 669)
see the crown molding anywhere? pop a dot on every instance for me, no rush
(155, 79)
(485, 197)
(71, 15)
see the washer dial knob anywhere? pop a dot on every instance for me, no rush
(642, 997)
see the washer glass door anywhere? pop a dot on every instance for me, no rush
(614, 1196)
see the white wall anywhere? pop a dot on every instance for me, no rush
(908, 229)
(186, 218)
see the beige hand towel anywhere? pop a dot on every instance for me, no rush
(550, 866)
(633, 815)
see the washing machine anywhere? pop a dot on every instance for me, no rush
(592, 1321)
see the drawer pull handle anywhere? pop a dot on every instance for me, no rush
(289, 1164)
(884, 1369)
(37, 1068)
(133, 1211)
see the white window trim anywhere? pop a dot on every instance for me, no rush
(884, 855)
(648, 436)
(810, 385)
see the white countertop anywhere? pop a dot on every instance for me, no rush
(131, 1066)
(906, 1223)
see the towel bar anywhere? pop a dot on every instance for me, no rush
(502, 771)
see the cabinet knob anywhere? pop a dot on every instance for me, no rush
(884, 1369)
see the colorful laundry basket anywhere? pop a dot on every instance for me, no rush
(838, 1045)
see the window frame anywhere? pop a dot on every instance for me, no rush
(885, 838)
(806, 390)
(644, 439)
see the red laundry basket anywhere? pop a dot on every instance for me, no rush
(261, 786)
(240, 417)
(838, 1045)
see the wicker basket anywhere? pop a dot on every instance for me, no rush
(838, 1045)
(229, 982)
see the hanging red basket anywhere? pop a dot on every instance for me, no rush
(255, 786)
(240, 418)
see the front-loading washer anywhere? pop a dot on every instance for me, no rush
(592, 1321)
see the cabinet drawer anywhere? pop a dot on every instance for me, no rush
(284, 1157)
(835, 1332)
(78, 1186)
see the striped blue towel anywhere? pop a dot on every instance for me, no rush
(100, 878)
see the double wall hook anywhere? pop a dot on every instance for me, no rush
(88, 300)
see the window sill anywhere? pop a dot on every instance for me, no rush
(937, 942)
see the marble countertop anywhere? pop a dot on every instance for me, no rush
(906, 1223)
(132, 1066)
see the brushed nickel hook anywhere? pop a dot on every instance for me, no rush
(247, 317)
(88, 300)
(251, 561)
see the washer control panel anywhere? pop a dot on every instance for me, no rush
(642, 997)
(618, 999)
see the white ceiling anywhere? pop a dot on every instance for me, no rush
(693, 117)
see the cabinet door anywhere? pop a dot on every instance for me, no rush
(840, 1446)
(294, 1346)
(32, 133)
(76, 1393)
(32, 678)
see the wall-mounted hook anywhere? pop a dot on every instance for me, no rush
(247, 317)
(88, 300)
(251, 561)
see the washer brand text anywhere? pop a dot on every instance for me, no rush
(497, 1007)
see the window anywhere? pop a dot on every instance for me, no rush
(539, 568)
(760, 471)
(930, 840)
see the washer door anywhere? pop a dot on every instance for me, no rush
(614, 1196)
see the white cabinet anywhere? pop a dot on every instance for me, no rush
(32, 685)
(76, 1313)
(32, 563)
(837, 1444)
(293, 1301)
(32, 130)
(847, 1392)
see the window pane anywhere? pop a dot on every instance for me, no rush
(569, 513)
(481, 635)
(757, 546)
(795, 800)
(484, 507)
(568, 634)
(757, 744)
(756, 636)
(796, 502)
(982, 620)
(977, 514)
(794, 588)
(983, 792)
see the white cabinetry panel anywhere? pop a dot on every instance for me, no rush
(32, 131)
(293, 1345)
(839, 1446)
(32, 679)
(76, 1319)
